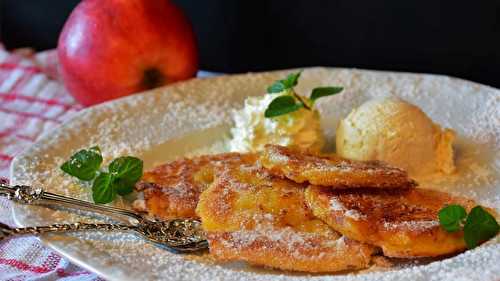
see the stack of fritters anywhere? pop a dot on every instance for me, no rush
(263, 209)
(253, 216)
(399, 218)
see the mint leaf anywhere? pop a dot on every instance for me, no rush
(281, 85)
(277, 87)
(479, 226)
(127, 168)
(451, 217)
(123, 187)
(324, 92)
(292, 79)
(126, 171)
(84, 164)
(282, 105)
(102, 189)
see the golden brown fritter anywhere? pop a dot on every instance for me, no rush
(404, 223)
(172, 190)
(250, 215)
(332, 171)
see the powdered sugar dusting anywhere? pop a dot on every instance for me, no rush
(353, 214)
(286, 238)
(412, 225)
(136, 125)
(278, 157)
(335, 205)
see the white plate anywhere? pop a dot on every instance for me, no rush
(193, 117)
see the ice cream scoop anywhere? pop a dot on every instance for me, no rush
(399, 133)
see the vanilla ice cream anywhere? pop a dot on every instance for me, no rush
(398, 133)
(252, 130)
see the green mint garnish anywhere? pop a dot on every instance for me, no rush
(127, 168)
(102, 189)
(288, 83)
(126, 171)
(84, 164)
(324, 92)
(282, 105)
(123, 173)
(452, 217)
(123, 187)
(291, 101)
(478, 225)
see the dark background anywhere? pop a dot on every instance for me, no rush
(459, 38)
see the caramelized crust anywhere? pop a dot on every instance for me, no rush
(172, 190)
(252, 216)
(332, 171)
(404, 223)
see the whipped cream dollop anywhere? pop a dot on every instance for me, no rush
(252, 130)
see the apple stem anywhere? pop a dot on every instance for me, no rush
(153, 78)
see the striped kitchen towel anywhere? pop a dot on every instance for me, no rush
(32, 101)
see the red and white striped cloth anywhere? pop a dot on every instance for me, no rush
(31, 101)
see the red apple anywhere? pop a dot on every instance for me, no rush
(113, 48)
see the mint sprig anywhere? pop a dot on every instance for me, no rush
(84, 164)
(123, 173)
(282, 105)
(102, 190)
(127, 168)
(324, 92)
(452, 217)
(288, 83)
(291, 101)
(478, 225)
(126, 171)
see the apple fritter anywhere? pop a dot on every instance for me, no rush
(250, 215)
(404, 223)
(172, 190)
(332, 170)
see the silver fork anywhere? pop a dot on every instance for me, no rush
(181, 235)
(164, 235)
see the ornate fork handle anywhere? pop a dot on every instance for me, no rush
(29, 195)
(6, 231)
(182, 235)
